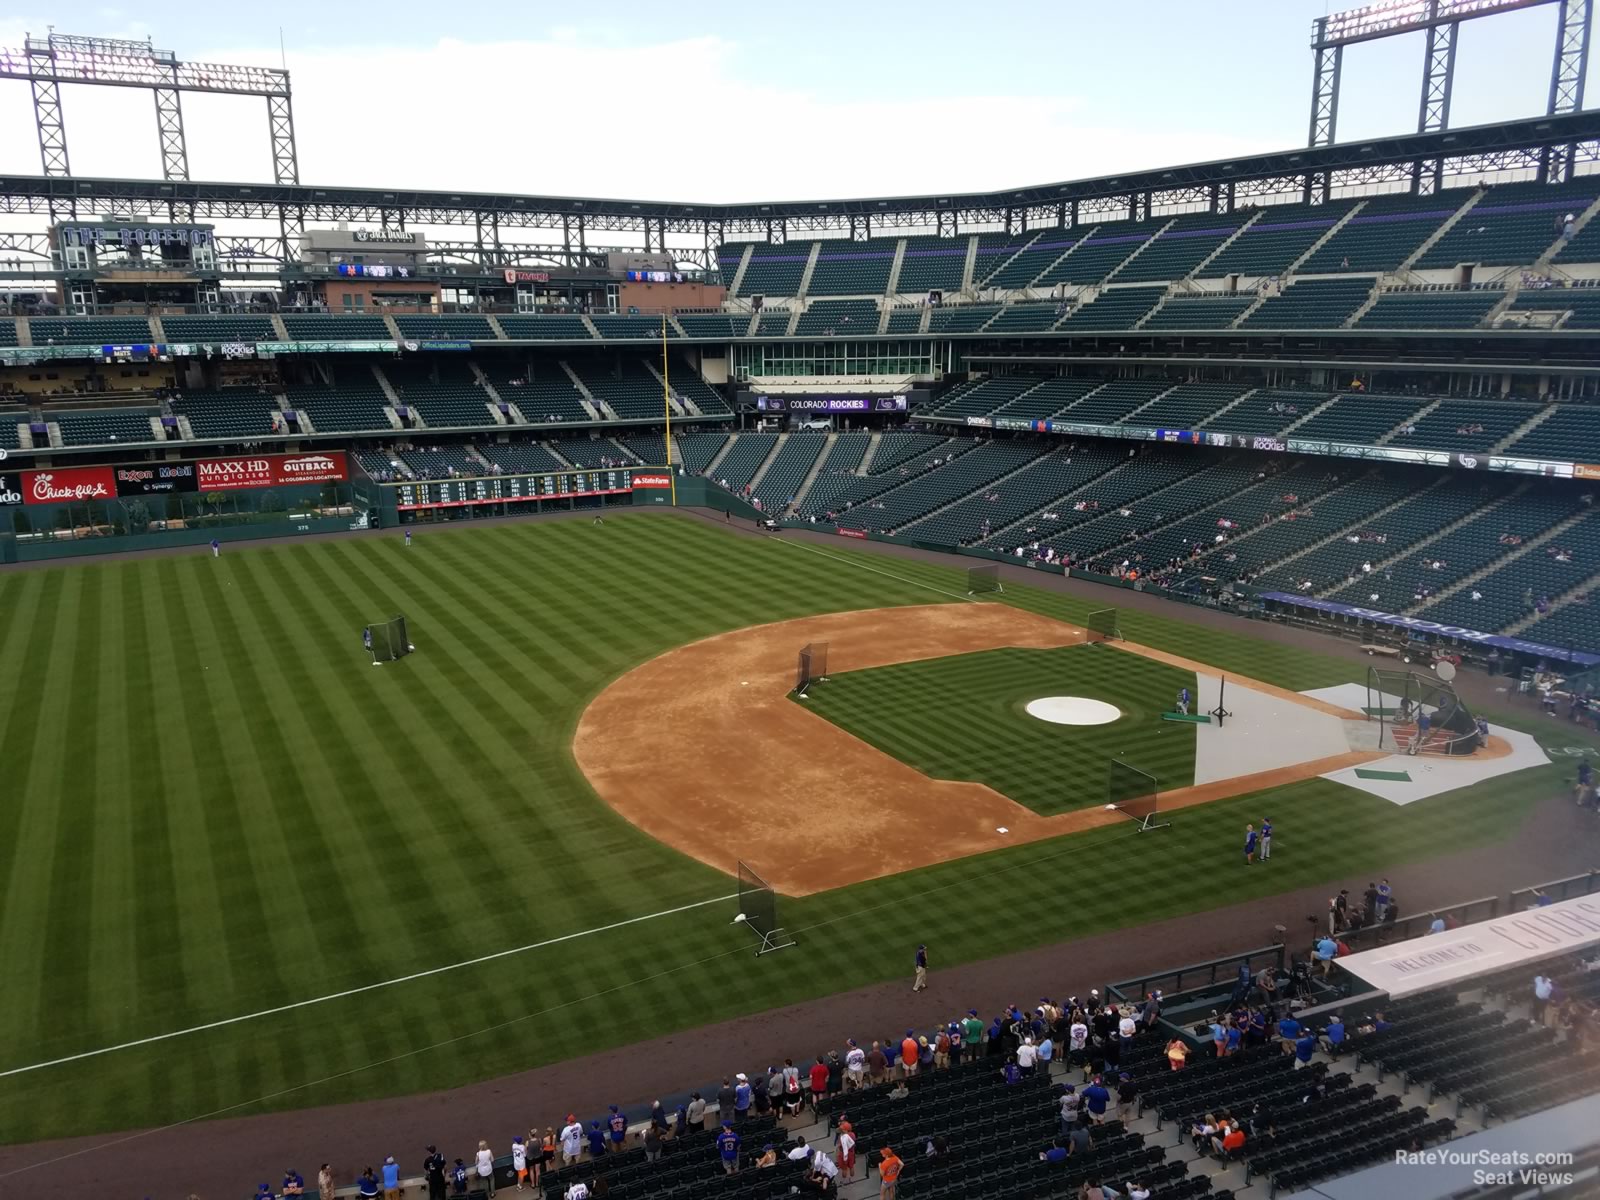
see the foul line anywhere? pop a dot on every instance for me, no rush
(356, 991)
(853, 563)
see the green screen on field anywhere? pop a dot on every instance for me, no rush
(963, 717)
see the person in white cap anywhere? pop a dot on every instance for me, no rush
(855, 1067)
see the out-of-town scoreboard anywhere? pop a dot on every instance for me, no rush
(501, 489)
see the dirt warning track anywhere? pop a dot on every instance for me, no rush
(702, 749)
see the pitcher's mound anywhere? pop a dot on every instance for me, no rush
(1072, 710)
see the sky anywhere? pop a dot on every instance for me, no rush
(752, 100)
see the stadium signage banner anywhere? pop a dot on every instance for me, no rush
(64, 485)
(831, 404)
(270, 470)
(651, 481)
(527, 276)
(1585, 471)
(1434, 627)
(855, 533)
(9, 491)
(1498, 944)
(162, 477)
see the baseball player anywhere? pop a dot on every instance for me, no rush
(1183, 701)
(1249, 844)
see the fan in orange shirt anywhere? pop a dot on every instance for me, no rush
(889, 1167)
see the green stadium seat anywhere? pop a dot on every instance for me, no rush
(446, 393)
(1267, 412)
(90, 331)
(566, 327)
(1360, 419)
(521, 458)
(838, 318)
(744, 459)
(790, 466)
(102, 426)
(1384, 232)
(933, 264)
(712, 325)
(1513, 225)
(906, 320)
(1030, 255)
(354, 403)
(1181, 247)
(1203, 310)
(631, 326)
(851, 268)
(775, 270)
(241, 412)
(1098, 256)
(471, 327)
(543, 393)
(1027, 318)
(335, 327)
(1469, 426)
(1320, 303)
(1277, 239)
(219, 328)
(960, 318)
(1114, 309)
(1430, 308)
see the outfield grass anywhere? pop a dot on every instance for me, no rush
(215, 805)
(963, 718)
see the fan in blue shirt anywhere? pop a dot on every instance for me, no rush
(1305, 1047)
(391, 1174)
(728, 1144)
(1289, 1029)
(1096, 1097)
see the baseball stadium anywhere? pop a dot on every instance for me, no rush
(1100, 674)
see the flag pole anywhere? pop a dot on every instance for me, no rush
(666, 404)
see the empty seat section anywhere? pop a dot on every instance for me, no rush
(898, 458)
(541, 390)
(447, 394)
(1027, 318)
(728, 256)
(838, 318)
(789, 468)
(1036, 256)
(354, 402)
(698, 449)
(565, 327)
(335, 327)
(1384, 232)
(442, 462)
(1188, 404)
(1113, 401)
(1582, 303)
(589, 452)
(1204, 311)
(1464, 425)
(1047, 398)
(906, 320)
(626, 384)
(711, 325)
(1181, 247)
(1114, 308)
(1166, 525)
(978, 466)
(744, 459)
(522, 458)
(241, 412)
(846, 454)
(976, 398)
(774, 322)
(1541, 571)
(1511, 226)
(631, 325)
(1267, 412)
(1360, 419)
(989, 509)
(850, 268)
(933, 264)
(1100, 254)
(1279, 238)
(961, 318)
(1070, 532)
(8, 332)
(219, 328)
(775, 270)
(1325, 303)
(689, 385)
(1571, 432)
(89, 331)
(470, 327)
(1430, 309)
(104, 425)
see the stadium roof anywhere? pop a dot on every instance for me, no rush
(1474, 149)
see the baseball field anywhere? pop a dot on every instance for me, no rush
(243, 869)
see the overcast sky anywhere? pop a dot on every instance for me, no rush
(751, 99)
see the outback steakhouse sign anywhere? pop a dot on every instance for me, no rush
(270, 470)
(68, 484)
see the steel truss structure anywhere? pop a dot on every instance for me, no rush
(1441, 20)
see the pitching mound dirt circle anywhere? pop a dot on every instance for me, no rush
(702, 749)
(1072, 710)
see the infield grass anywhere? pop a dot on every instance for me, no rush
(964, 718)
(214, 805)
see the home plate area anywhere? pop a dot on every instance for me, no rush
(1404, 778)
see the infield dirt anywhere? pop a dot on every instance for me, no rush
(702, 749)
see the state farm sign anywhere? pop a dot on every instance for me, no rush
(269, 470)
(651, 481)
(64, 485)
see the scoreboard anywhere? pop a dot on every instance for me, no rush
(500, 489)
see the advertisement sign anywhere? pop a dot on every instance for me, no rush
(10, 491)
(831, 404)
(269, 470)
(855, 533)
(1585, 471)
(649, 480)
(61, 485)
(1269, 443)
(513, 276)
(156, 478)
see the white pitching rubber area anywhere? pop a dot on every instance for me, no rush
(1072, 710)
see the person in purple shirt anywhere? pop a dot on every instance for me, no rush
(617, 1125)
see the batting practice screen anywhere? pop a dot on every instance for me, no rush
(388, 640)
(1102, 625)
(983, 580)
(758, 905)
(813, 665)
(1130, 790)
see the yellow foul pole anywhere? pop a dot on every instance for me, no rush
(666, 404)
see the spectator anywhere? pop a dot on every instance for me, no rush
(768, 1157)
(824, 1172)
(1177, 1053)
(391, 1179)
(1543, 988)
(1096, 1098)
(725, 1100)
(459, 1178)
(800, 1150)
(909, 1053)
(695, 1112)
(597, 1139)
(845, 1143)
(652, 1143)
(855, 1067)
(617, 1127)
(325, 1181)
(1027, 1056)
(367, 1185)
(1201, 1132)
(1127, 1097)
(819, 1081)
(1231, 1142)
(743, 1097)
(1056, 1155)
(728, 1148)
(877, 1064)
(294, 1183)
(578, 1191)
(1437, 924)
(889, 1168)
(433, 1168)
(1304, 1049)
(1326, 950)
(486, 1167)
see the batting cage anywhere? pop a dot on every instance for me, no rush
(813, 667)
(1102, 625)
(1420, 713)
(981, 581)
(1134, 793)
(758, 912)
(387, 640)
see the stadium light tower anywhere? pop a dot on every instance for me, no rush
(48, 62)
(1441, 21)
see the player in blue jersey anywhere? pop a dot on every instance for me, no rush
(1266, 838)
(1183, 701)
(1249, 844)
